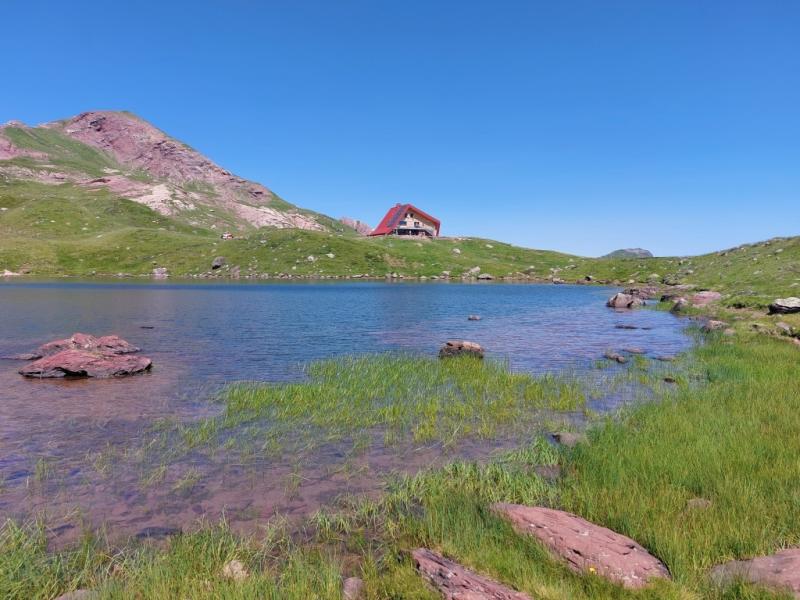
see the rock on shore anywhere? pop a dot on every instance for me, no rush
(779, 571)
(455, 582)
(586, 547)
(783, 306)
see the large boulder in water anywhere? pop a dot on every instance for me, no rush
(783, 306)
(107, 344)
(586, 547)
(621, 300)
(84, 355)
(81, 363)
(461, 348)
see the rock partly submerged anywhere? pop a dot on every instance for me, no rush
(621, 300)
(461, 348)
(83, 355)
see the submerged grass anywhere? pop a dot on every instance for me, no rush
(406, 398)
(734, 440)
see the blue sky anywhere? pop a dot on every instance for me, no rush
(576, 126)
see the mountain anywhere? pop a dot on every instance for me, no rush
(629, 253)
(130, 158)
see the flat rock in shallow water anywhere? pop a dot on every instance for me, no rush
(107, 344)
(586, 547)
(779, 571)
(80, 363)
(455, 582)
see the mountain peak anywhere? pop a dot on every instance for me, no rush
(134, 159)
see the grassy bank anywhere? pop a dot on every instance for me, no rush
(57, 230)
(729, 435)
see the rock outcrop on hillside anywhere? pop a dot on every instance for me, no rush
(359, 226)
(629, 253)
(142, 163)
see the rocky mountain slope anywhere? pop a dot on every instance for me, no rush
(132, 159)
(629, 253)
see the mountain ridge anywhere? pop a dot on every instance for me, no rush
(134, 159)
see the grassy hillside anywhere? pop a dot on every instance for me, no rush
(67, 230)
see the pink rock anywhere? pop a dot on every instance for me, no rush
(704, 298)
(455, 582)
(621, 300)
(110, 344)
(81, 363)
(779, 571)
(461, 347)
(586, 547)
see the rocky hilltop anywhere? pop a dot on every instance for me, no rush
(133, 159)
(629, 253)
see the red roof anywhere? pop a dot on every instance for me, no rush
(396, 214)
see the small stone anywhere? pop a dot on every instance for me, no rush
(670, 379)
(569, 439)
(353, 588)
(680, 305)
(79, 595)
(218, 263)
(548, 472)
(698, 503)
(461, 347)
(616, 356)
(713, 325)
(234, 570)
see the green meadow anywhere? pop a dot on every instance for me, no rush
(727, 433)
(67, 230)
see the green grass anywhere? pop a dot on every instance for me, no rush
(63, 152)
(68, 230)
(405, 398)
(731, 438)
